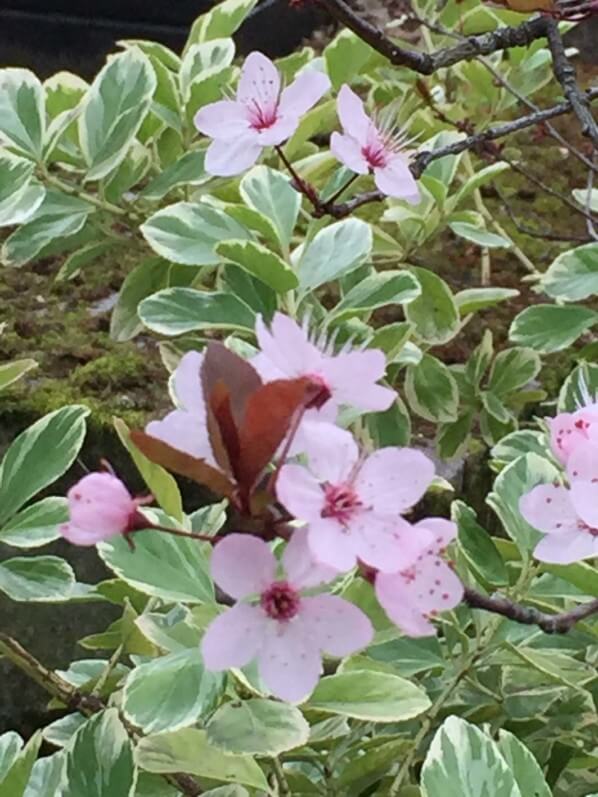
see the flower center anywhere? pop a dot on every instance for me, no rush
(375, 155)
(280, 601)
(340, 502)
(262, 116)
(584, 527)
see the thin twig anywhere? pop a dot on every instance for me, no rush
(527, 615)
(544, 235)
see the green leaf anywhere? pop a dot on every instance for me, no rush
(188, 233)
(10, 372)
(22, 206)
(161, 484)
(513, 369)
(479, 179)
(434, 313)
(115, 107)
(548, 328)
(14, 780)
(518, 478)
(187, 170)
(171, 692)
(11, 745)
(168, 567)
(36, 525)
(377, 290)
(82, 257)
(524, 441)
(60, 732)
(333, 252)
(476, 543)
(478, 236)
(153, 50)
(145, 280)
(39, 455)
(22, 112)
(391, 427)
(15, 181)
(256, 222)
(222, 20)
(431, 390)
(391, 339)
(46, 777)
(345, 57)
(254, 293)
(581, 574)
(523, 765)
(37, 579)
(59, 216)
(179, 310)
(581, 382)
(205, 60)
(453, 437)
(258, 727)
(369, 696)
(573, 275)
(271, 193)
(259, 261)
(464, 762)
(473, 299)
(581, 197)
(99, 760)
(363, 771)
(189, 750)
(494, 407)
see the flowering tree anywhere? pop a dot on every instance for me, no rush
(333, 616)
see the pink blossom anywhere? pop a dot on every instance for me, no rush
(352, 506)
(261, 115)
(568, 430)
(186, 428)
(582, 470)
(348, 377)
(366, 145)
(417, 593)
(100, 507)
(568, 518)
(284, 630)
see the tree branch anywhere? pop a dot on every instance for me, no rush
(527, 615)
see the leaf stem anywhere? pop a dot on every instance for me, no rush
(284, 790)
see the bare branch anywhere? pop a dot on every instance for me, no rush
(527, 615)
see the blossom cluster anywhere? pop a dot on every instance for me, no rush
(335, 508)
(568, 514)
(264, 115)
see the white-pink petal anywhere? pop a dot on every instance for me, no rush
(228, 158)
(385, 542)
(582, 464)
(224, 120)
(338, 627)
(242, 565)
(332, 453)
(347, 150)
(565, 549)
(289, 662)
(233, 638)
(279, 131)
(301, 568)
(300, 492)
(185, 431)
(391, 480)
(187, 382)
(100, 506)
(395, 180)
(331, 545)
(352, 377)
(303, 93)
(584, 497)
(259, 84)
(442, 532)
(548, 508)
(352, 115)
(286, 345)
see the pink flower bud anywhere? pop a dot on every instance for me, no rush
(100, 506)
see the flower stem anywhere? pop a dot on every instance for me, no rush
(341, 190)
(212, 539)
(284, 790)
(300, 184)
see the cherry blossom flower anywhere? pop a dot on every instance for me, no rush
(186, 428)
(261, 115)
(352, 506)
(367, 145)
(568, 430)
(283, 629)
(100, 507)
(414, 595)
(568, 518)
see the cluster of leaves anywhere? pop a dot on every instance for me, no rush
(90, 169)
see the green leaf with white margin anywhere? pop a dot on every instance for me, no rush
(333, 252)
(80, 258)
(512, 369)
(22, 113)
(579, 388)
(271, 193)
(23, 205)
(189, 750)
(58, 216)
(14, 780)
(46, 777)
(258, 727)
(581, 197)
(99, 759)
(523, 765)
(11, 745)
(494, 407)
(178, 310)
(473, 299)
(464, 762)
(222, 20)
(60, 732)
(115, 107)
(188, 232)
(483, 238)
(187, 170)
(573, 275)
(238, 791)
(517, 479)
(377, 290)
(10, 372)
(431, 390)
(204, 60)
(261, 262)
(370, 696)
(345, 57)
(453, 437)
(37, 524)
(171, 692)
(479, 179)
(476, 543)
(39, 455)
(434, 313)
(162, 485)
(15, 186)
(37, 579)
(165, 566)
(548, 328)
(523, 441)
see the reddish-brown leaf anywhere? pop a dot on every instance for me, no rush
(242, 380)
(267, 419)
(221, 412)
(183, 464)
